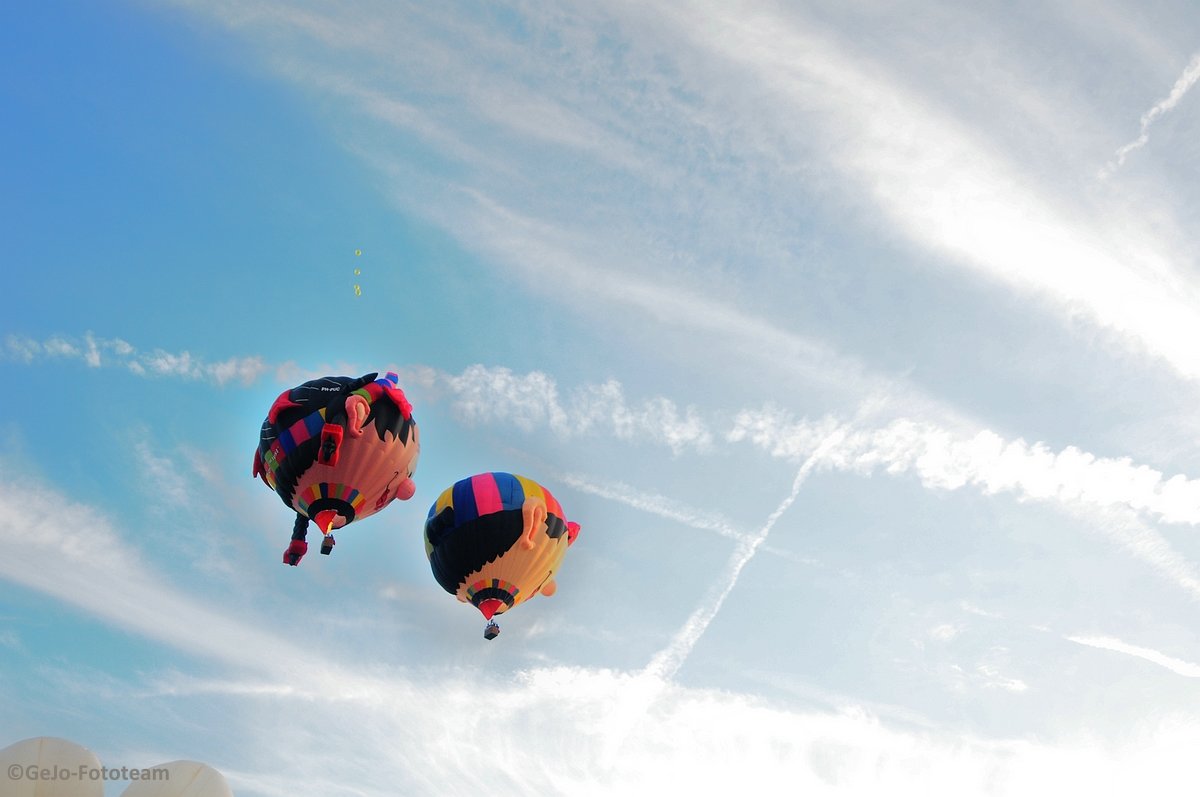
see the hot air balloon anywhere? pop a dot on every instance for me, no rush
(336, 450)
(180, 779)
(50, 767)
(47, 766)
(495, 540)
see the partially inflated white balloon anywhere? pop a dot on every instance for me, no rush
(46, 766)
(180, 779)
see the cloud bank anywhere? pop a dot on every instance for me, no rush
(948, 459)
(531, 401)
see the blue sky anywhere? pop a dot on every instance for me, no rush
(860, 340)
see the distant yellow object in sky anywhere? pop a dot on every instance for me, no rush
(357, 252)
(357, 291)
(357, 271)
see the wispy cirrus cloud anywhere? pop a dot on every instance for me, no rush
(944, 186)
(620, 125)
(73, 553)
(660, 99)
(448, 735)
(949, 190)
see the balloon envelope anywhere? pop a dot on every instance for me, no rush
(180, 779)
(47, 766)
(495, 540)
(338, 449)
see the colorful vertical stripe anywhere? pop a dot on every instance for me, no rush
(487, 493)
(342, 492)
(534, 489)
(493, 583)
(302, 430)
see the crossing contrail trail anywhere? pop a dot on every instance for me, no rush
(667, 661)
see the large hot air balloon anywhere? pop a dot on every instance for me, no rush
(47, 766)
(495, 540)
(336, 450)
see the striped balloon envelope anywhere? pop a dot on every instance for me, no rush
(495, 540)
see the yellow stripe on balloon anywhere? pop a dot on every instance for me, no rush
(446, 499)
(531, 488)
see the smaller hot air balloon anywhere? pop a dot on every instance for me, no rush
(495, 540)
(336, 450)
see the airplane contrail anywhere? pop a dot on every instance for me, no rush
(1188, 79)
(667, 661)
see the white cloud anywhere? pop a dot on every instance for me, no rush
(1178, 666)
(941, 457)
(297, 722)
(541, 732)
(567, 258)
(92, 353)
(166, 363)
(530, 401)
(526, 232)
(72, 553)
(1111, 491)
(662, 103)
(166, 481)
(992, 678)
(246, 370)
(949, 189)
(59, 347)
(950, 459)
(22, 348)
(99, 352)
(944, 632)
(1183, 84)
